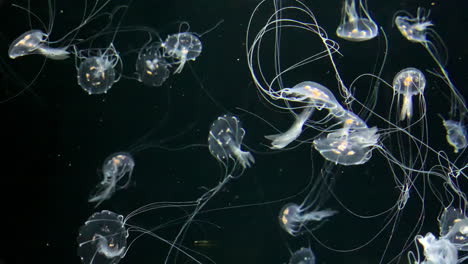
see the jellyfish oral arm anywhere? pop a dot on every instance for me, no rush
(281, 140)
(319, 215)
(54, 53)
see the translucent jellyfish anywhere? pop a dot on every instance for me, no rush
(315, 94)
(354, 27)
(348, 146)
(182, 47)
(115, 168)
(225, 140)
(454, 227)
(408, 83)
(438, 251)
(152, 68)
(281, 140)
(96, 69)
(102, 239)
(38, 41)
(419, 30)
(302, 256)
(456, 134)
(35, 42)
(293, 218)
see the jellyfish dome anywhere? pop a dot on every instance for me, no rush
(102, 239)
(182, 47)
(152, 68)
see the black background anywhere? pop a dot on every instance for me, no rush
(55, 136)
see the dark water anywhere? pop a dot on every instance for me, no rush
(56, 136)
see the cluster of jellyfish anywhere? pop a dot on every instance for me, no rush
(99, 68)
(346, 134)
(347, 129)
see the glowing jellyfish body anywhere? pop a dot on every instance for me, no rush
(115, 168)
(102, 239)
(408, 83)
(315, 94)
(293, 218)
(354, 27)
(414, 29)
(456, 134)
(302, 256)
(225, 140)
(152, 68)
(347, 146)
(281, 140)
(454, 227)
(438, 251)
(96, 71)
(35, 42)
(182, 47)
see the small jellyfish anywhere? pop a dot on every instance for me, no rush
(280, 141)
(454, 227)
(415, 29)
(407, 83)
(348, 146)
(182, 47)
(152, 68)
(456, 134)
(294, 218)
(102, 239)
(302, 256)
(96, 69)
(315, 94)
(354, 27)
(35, 42)
(225, 140)
(438, 251)
(116, 167)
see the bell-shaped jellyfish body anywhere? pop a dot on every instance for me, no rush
(302, 256)
(182, 47)
(348, 146)
(225, 140)
(102, 239)
(315, 94)
(350, 120)
(354, 27)
(456, 134)
(35, 42)
(438, 251)
(152, 68)
(281, 140)
(114, 169)
(294, 218)
(407, 83)
(454, 227)
(96, 71)
(414, 29)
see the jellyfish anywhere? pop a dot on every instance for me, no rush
(347, 146)
(302, 256)
(182, 47)
(353, 27)
(96, 69)
(453, 226)
(115, 168)
(152, 68)
(281, 140)
(438, 251)
(102, 239)
(312, 93)
(408, 83)
(38, 41)
(293, 217)
(456, 134)
(225, 140)
(419, 30)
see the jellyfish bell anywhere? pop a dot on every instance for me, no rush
(414, 29)
(182, 47)
(293, 218)
(152, 68)
(35, 42)
(98, 69)
(456, 134)
(354, 27)
(408, 83)
(453, 225)
(115, 168)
